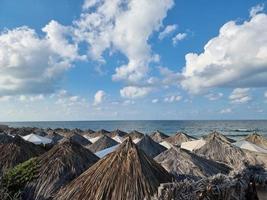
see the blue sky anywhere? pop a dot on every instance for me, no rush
(132, 59)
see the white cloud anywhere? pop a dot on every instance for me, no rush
(155, 101)
(30, 64)
(126, 27)
(134, 92)
(89, 4)
(178, 37)
(213, 96)
(167, 31)
(173, 98)
(256, 9)
(31, 98)
(240, 95)
(99, 97)
(4, 98)
(226, 110)
(170, 77)
(237, 57)
(265, 94)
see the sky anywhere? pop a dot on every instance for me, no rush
(133, 60)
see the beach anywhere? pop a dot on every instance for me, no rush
(118, 164)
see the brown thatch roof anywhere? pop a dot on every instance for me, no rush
(150, 147)
(127, 173)
(257, 139)
(219, 149)
(98, 133)
(158, 136)
(179, 138)
(75, 137)
(135, 135)
(117, 132)
(17, 151)
(218, 135)
(58, 167)
(102, 143)
(183, 163)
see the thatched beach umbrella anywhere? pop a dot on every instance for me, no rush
(179, 138)
(257, 139)
(58, 167)
(158, 136)
(127, 173)
(102, 143)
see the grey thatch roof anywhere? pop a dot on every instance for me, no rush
(158, 136)
(257, 139)
(186, 164)
(135, 134)
(127, 173)
(150, 147)
(55, 137)
(102, 143)
(117, 132)
(219, 149)
(58, 167)
(5, 138)
(17, 151)
(75, 137)
(179, 138)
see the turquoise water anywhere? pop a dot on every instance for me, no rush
(195, 128)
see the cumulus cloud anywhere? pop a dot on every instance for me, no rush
(30, 64)
(155, 101)
(237, 57)
(226, 110)
(173, 98)
(134, 92)
(240, 95)
(214, 96)
(124, 26)
(167, 31)
(256, 9)
(31, 98)
(178, 37)
(99, 97)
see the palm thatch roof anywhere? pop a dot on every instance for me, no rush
(218, 187)
(55, 137)
(5, 138)
(16, 151)
(117, 132)
(158, 136)
(179, 138)
(127, 173)
(102, 143)
(58, 167)
(150, 147)
(219, 149)
(218, 135)
(257, 139)
(135, 135)
(98, 133)
(75, 137)
(183, 163)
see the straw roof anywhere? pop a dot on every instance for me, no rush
(55, 137)
(58, 167)
(150, 147)
(135, 135)
(117, 132)
(5, 138)
(158, 136)
(219, 149)
(16, 151)
(75, 137)
(102, 143)
(218, 135)
(179, 138)
(257, 139)
(243, 144)
(98, 133)
(181, 162)
(127, 173)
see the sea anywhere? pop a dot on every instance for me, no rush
(197, 128)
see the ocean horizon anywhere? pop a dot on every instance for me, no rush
(233, 128)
